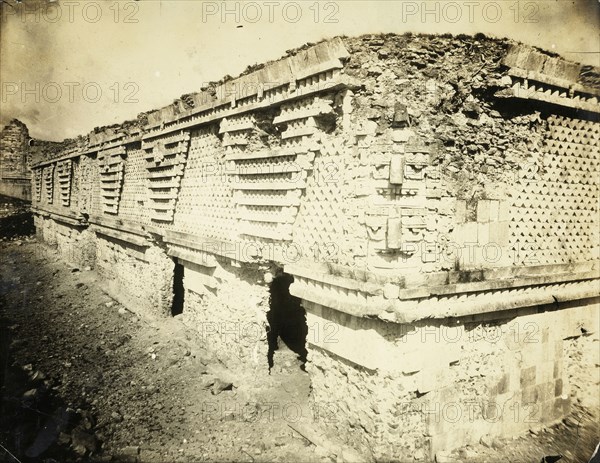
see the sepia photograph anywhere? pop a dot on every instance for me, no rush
(312, 231)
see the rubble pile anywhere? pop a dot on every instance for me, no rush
(16, 221)
(447, 85)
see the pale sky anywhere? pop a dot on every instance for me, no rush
(93, 63)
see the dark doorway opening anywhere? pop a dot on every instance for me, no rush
(178, 290)
(287, 320)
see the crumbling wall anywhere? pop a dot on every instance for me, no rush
(45, 230)
(75, 244)
(447, 170)
(227, 305)
(140, 276)
(18, 151)
(15, 158)
(406, 155)
(15, 161)
(411, 185)
(410, 390)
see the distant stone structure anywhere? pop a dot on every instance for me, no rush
(434, 198)
(17, 153)
(15, 161)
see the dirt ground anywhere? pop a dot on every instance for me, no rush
(84, 379)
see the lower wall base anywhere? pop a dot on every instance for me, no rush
(142, 277)
(230, 314)
(441, 384)
(393, 391)
(225, 304)
(75, 244)
(366, 409)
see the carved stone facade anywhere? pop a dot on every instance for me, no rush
(424, 193)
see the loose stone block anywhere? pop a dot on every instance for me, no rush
(394, 233)
(483, 210)
(397, 169)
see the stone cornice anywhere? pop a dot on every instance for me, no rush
(388, 302)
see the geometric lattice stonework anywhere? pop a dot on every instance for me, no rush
(267, 191)
(165, 163)
(132, 206)
(269, 184)
(111, 163)
(205, 203)
(37, 179)
(555, 207)
(321, 217)
(49, 182)
(64, 182)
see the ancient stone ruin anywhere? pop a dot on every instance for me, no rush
(17, 153)
(15, 161)
(430, 202)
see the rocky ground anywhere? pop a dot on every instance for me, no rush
(84, 379)
(87, 379)
(16, 222)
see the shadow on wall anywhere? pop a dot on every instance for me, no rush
(287, 319)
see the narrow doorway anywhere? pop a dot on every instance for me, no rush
(178, 290)
(287, 320)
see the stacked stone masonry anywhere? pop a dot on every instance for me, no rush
(423, 192)
(18, 151)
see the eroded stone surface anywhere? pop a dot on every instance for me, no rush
(434, 198)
